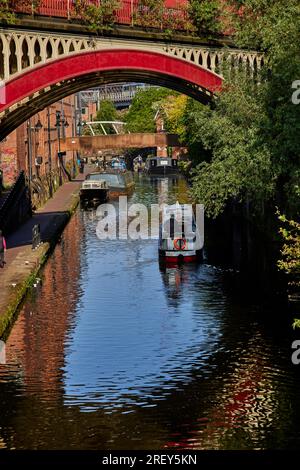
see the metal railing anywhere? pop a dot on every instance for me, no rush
(16, 207)
(117, 93)
(120, 93)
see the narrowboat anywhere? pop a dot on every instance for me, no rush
(161, 166)
(94, 190)
(180, 239)
(118, 181)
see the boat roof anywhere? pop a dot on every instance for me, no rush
(178, 210)
(113, 171)
(110, 171)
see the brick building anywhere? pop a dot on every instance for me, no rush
(33, 147)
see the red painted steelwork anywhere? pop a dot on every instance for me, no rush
(78, 65)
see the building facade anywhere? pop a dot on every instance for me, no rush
(33, 147)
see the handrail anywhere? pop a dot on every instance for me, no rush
(126, 14)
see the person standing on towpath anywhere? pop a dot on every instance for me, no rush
(2, 249)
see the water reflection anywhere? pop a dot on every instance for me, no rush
(177, 279)
(113, 351)
(120, 353)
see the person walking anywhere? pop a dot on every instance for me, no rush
(2, 249)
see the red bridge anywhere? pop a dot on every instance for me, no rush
(42, 62)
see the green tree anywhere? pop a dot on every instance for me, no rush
(6, 15)
(107, 111)
(236, 163)
(205, 15)
(141, 114)
(191, 132)
(253, 132)
(8, 9)
(174, 108)
(153, 14)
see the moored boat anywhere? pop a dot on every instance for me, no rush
(180, 239)
(118, 181)
(94, 190)
(161, 166)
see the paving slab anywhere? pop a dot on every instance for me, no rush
(22, 262)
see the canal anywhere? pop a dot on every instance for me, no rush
(113, 351)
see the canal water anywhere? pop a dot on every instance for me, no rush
(113, 351)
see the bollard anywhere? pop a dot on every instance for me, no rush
(36, 236)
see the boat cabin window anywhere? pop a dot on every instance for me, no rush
(96, 177)
(185, 229)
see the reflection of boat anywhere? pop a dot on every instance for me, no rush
(161, 166)
(177, 278)
(174, 277)
(118, 181)
(180, 239)
(94, 190)
(138, 164)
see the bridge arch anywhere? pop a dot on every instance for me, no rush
(32, 90)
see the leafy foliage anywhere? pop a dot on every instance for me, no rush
(153, 14)
(174, 108)
(253, 132)
(101, 17)
(107, 111)
(150, 13)
(9, 7)
(141, 114)
(205, 15)
(290, 262)
(6, 15)
(235, 163)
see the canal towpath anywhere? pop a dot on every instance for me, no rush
(22, 262)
